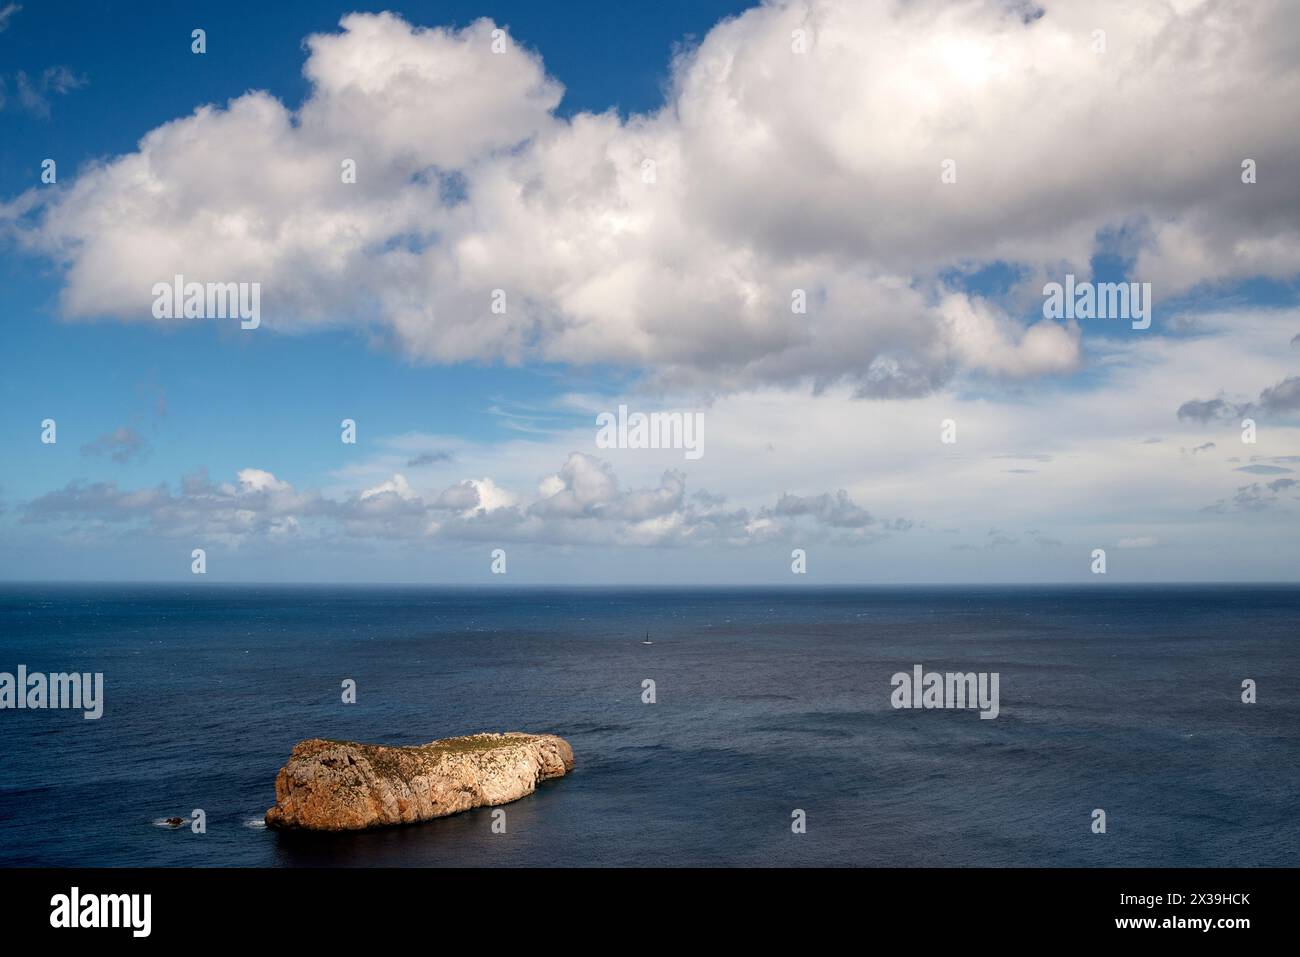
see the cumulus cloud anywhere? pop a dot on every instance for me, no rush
(462, 497)
(6, 14)
(396, 486)
(676, 240)
(983, 339)
(257, 480)
(490, 497)
(581, 504)
(584, 486)
(258, 506)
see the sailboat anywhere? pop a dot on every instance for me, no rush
(647, 640)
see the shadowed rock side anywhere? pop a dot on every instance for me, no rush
(342, 786)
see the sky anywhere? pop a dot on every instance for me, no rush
(822, 230)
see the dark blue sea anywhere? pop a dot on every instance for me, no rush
(1124, 699)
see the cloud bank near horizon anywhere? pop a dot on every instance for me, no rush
(582, 503)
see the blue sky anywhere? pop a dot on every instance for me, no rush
(617, 59)
(665, 294)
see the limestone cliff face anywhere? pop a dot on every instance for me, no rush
(341, 786)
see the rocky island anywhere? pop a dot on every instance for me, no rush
(344, 786)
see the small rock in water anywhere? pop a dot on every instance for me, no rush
(344, 786)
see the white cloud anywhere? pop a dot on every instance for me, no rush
(397, 485)
(490, 496)
(773, 171)
(824, 472)
(256, 480)
(984, 340)
(411, 99)
(587, 507)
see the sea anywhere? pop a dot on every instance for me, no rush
(767, 739)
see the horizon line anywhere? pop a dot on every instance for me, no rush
(663, 585)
